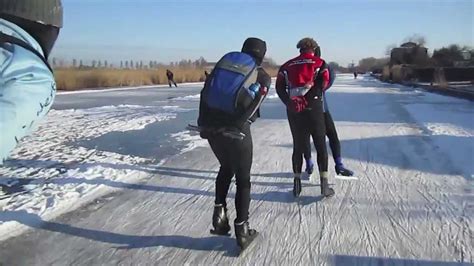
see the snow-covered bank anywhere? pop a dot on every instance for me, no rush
(76, 156)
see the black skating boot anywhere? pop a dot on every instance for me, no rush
(244, 234)
(341, 170)
(326, 191)
(297, 186)
(220, 222)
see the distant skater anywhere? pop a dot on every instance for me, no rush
(170, 77)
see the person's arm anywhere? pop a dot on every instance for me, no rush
(252, 111)
(203, 109)
(321, 81)
(26, 95)
(281, 87)
(331, 78)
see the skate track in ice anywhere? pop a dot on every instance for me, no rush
(138, 189)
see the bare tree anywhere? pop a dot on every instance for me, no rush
(388, 50)
(416, 38)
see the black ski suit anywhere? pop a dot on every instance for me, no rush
(311, 120)
(235, 156)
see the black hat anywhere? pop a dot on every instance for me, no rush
(47, 12)
(256, 48)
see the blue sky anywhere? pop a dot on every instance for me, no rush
(167, 31)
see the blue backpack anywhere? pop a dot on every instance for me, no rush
(233, 75)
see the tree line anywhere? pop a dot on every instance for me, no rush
(126, 64)
(453, 55)
(201, 62)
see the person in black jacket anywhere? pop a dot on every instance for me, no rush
(235, 156)
(170, 77)
(331, 133)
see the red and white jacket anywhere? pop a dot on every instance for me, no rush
(296, 78)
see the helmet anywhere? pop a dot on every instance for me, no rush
(256, 48)
(47, 12)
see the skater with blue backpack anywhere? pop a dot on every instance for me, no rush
(229, 104)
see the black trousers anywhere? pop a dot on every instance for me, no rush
(171, 81)
(303, 125)
(235, 158)
(331, 133)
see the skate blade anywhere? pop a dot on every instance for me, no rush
(217, 233)
(247, 249)
(342, 177)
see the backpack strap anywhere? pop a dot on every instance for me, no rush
(4, 38)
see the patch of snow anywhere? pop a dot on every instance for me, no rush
(102, 90)
(192, 140)
(188, 98)
(60, 174)
(449, 130)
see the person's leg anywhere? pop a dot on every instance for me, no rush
(219, 145)
(220, 220)
(321, 150)
(242, 158)
(307, 150)
(299, 140)
(169, 82)
(318, 132)
(335, 145)
(307, 155)
(243, 164)
(331, 133)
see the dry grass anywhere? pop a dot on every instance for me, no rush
(76, 79)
